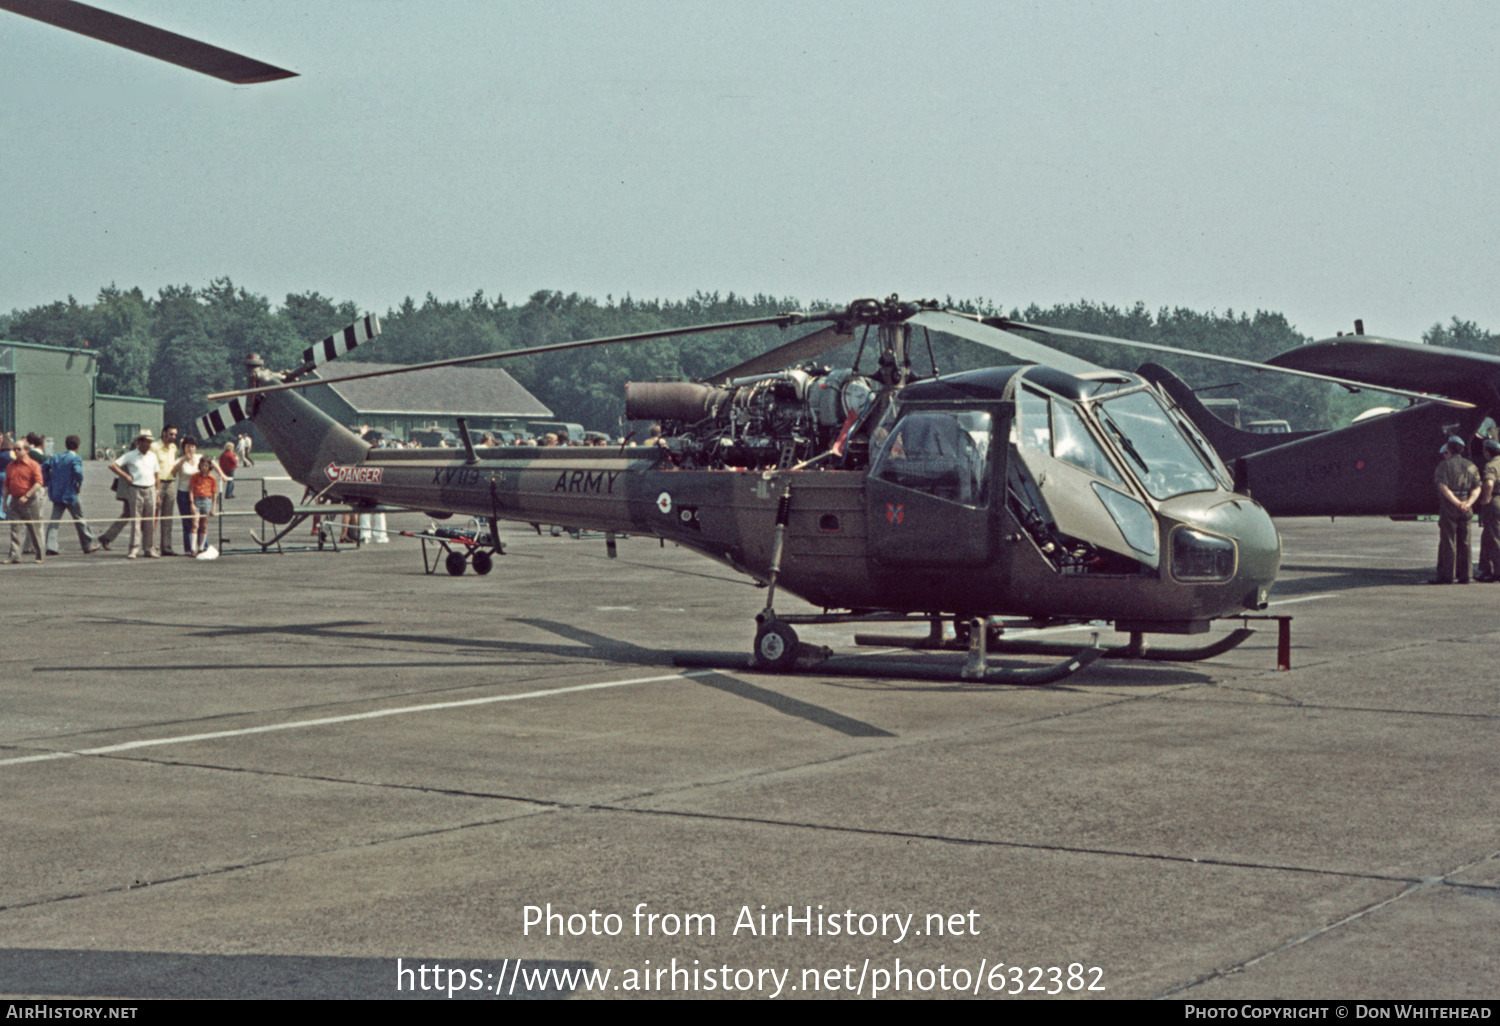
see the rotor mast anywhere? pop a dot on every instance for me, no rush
(895, 353)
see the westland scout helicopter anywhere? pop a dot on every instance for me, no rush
(1060, 493)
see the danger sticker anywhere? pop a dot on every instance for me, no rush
(354, 475)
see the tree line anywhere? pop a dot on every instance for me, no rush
(185, 342)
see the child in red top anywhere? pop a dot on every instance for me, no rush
(228, 464)
(204, 486)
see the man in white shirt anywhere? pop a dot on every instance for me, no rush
(138, 471)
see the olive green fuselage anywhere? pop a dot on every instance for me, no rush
(832, 556)
(852, 540)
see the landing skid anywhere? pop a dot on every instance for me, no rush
(777, 649)
(816, 659)
(1136, 649)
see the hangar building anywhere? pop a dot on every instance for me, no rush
(51, 390)
(487, 397)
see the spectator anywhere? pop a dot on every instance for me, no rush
(228, 464)
(182, 498)
(35, 444)
(137, 470)
(64, 474)
(165, 452)
(23, 493)
(6, 454)
(204, 486)
(190, 464)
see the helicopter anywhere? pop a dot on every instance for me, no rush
(1051, 490)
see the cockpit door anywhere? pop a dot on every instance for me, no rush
(929, 490)
(1084, 494)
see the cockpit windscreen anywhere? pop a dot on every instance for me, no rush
(1154, 447)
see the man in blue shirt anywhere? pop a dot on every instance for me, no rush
(64, 477)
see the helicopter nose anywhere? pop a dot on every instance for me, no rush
(1260, 553)
(1232, 543)
(1260, 550)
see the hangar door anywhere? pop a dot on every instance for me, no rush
(8, 402)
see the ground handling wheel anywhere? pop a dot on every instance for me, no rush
(775, 646)
(483, 563)
(455, 563)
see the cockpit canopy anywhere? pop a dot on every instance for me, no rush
(1164, 453)
(1109, 425)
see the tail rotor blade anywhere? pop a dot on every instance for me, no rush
(337, 344)
(224, 418)
(314, 356)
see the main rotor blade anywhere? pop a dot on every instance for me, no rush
(986, 334)
(805, 348)
(1236, 361)
(149, 40)
(781, 321)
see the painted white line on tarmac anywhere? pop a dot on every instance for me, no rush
(350, 718)
(38, 758)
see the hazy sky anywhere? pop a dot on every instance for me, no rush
(1325, 160)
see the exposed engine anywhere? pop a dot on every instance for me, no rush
(769, 420)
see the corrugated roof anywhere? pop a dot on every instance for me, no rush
(59, 349)
(441, 391)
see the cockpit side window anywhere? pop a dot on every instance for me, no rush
(1055, 427)
(943, 454)
(1036, 426)
(1073, 444)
